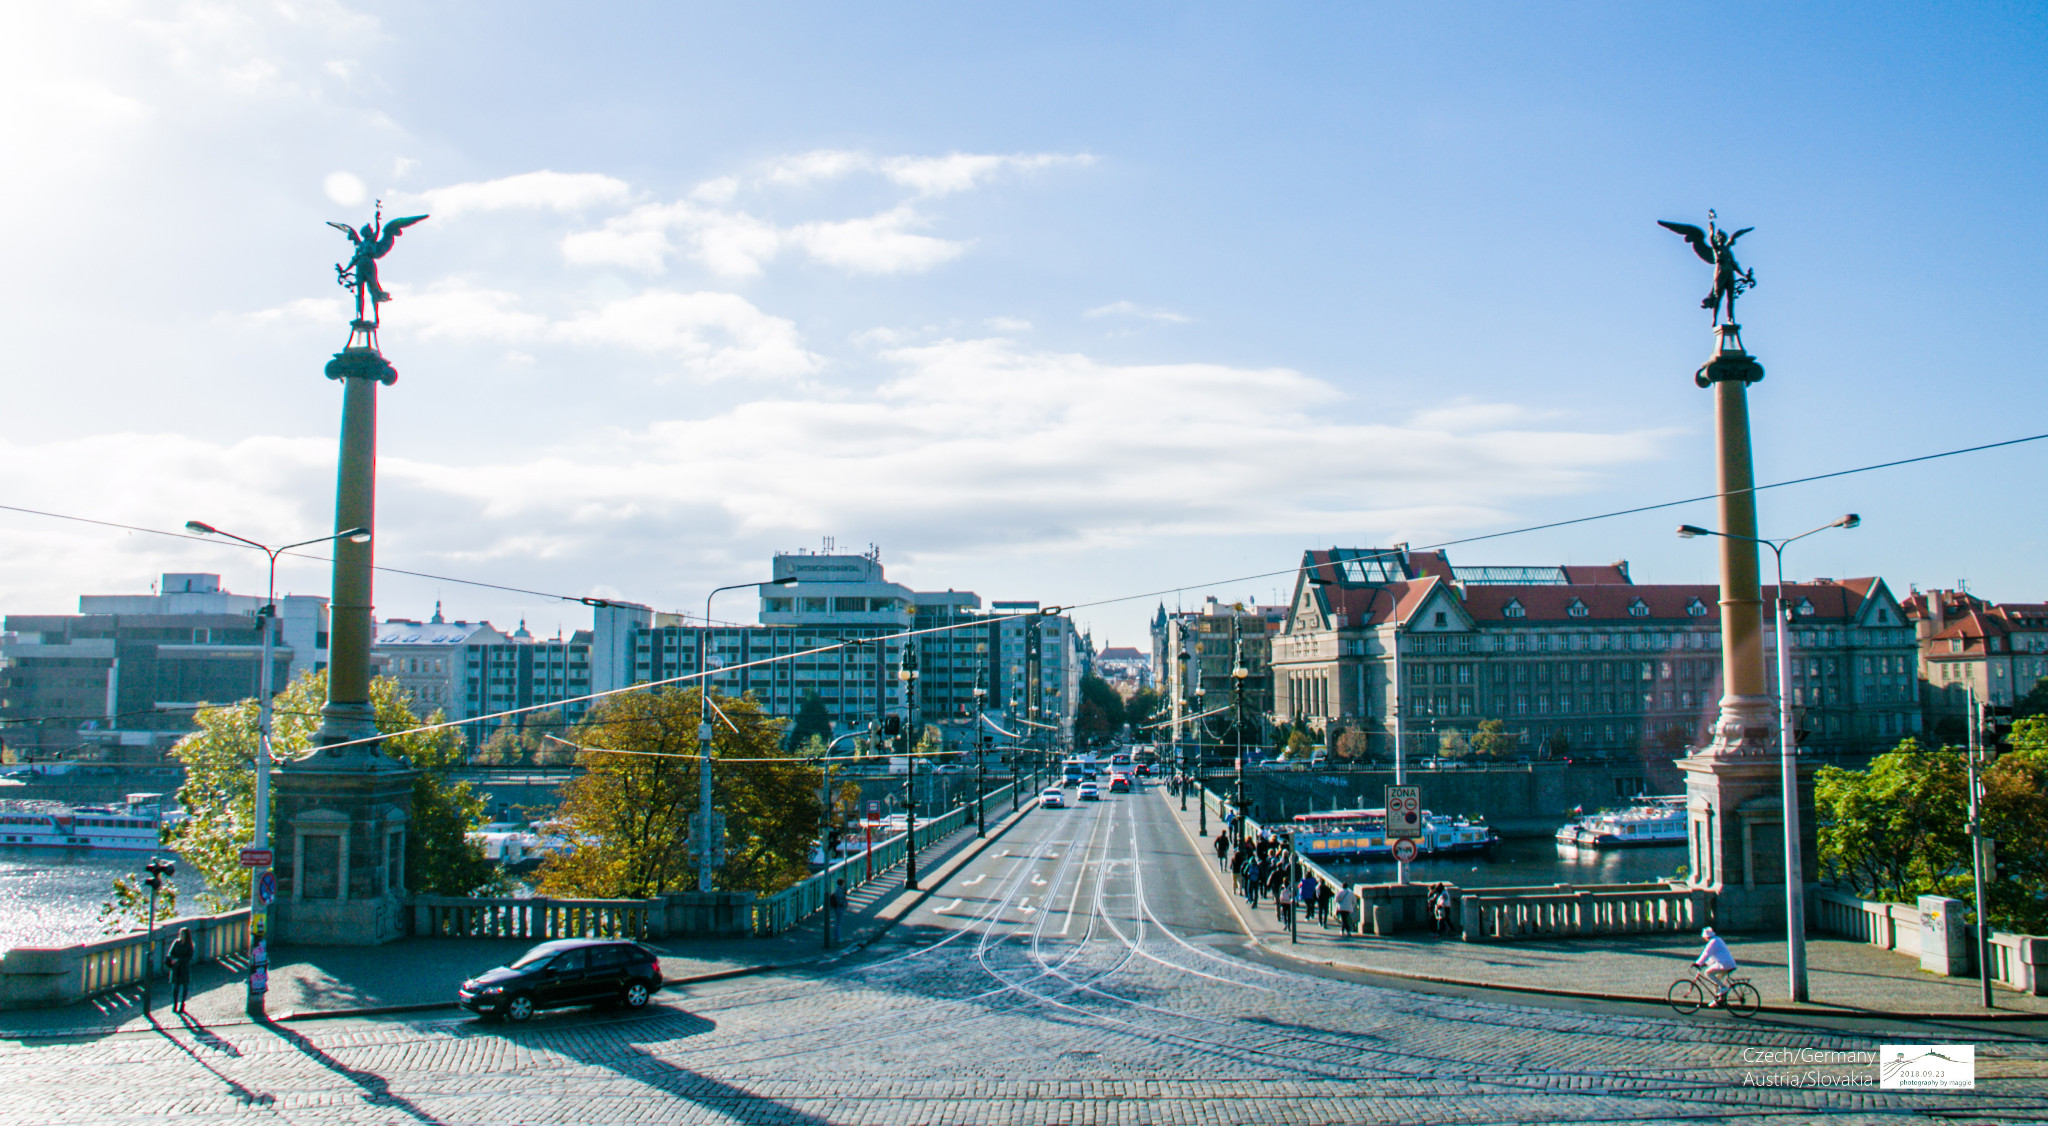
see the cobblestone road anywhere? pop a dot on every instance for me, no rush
(1078, 971)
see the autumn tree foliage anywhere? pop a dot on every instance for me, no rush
(629, 813)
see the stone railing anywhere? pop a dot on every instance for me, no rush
(40, 977)
(1574, 911)
(538, 918)
(2018, 961)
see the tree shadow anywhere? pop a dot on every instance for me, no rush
(376, 1089)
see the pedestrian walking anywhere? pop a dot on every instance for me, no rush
(178, 959)
(1440, 909)
(1283, 905)
(1252, 872)
(1305, 896)
(1325, 894)
(1347, 910)
(1222, 847)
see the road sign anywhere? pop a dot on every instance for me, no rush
(1404, 813)
(266, 888)
(875, 810)
(1404, 849)
(256, 858)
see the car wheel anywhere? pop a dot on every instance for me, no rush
(519, 1008)
(635, 996)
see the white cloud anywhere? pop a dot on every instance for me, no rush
(1008, 324)
(958, 172)
(344, 188)
(1129, 309)
(530, 191)
(878, 244)
(715, 335)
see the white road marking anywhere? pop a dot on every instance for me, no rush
(1037, 880)
(948, 907)
(975, 880)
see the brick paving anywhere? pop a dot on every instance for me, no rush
(1044, 989)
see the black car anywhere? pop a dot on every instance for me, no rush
(570, 971)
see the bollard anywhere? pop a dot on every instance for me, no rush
(1382, 921)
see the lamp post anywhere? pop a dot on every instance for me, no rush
(266, 620)
(908, 675)
(1201, 764)
(1238, 675)
(1186, 769)
(702, 831)
(981, 755)
(1788, 751)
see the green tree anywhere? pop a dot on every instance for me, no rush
(630, 812)
(2034, 703)
(1143, 708)
(1350, 745)
(813, 721)
(1453, 744)
(1492, 740)
(1101, 713)
(219, 794)
(1301, 746)
(529, 739)
(1896, 830)
(128, 910)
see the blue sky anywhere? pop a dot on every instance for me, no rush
(1067, 302)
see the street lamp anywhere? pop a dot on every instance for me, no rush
(1788, 768)
(266, 620)
(1238, 675)
(981, 754)
(701, 832)
(907, 673)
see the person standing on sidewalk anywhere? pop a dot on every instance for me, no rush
(1347, 910)
(178, 959)
(835, 914)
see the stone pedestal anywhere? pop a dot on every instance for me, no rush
(1736, 819)
(342, 831)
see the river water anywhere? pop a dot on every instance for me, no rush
(1523, 862)
(50, 898)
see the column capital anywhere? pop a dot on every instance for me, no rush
(357, 362)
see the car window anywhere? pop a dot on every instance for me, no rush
(604, 957)
(534, 957)
(568, 961)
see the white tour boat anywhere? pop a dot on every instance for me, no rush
(1361, 834)
(1650, 821)
(135, 826)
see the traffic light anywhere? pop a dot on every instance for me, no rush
(159, 871)
(1997, 726)
(892, 725)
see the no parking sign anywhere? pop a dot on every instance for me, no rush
(1404, 813)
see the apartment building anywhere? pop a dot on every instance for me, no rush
(1572, 660)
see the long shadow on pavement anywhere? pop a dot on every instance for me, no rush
(376, 1089)
(242, 1094)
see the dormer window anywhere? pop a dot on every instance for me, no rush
(1805, 608)
(1696, 608)
(1639, 609)
(1955, 644)
(1513, 609)
(1577, 609)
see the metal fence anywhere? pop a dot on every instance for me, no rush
(792, 905)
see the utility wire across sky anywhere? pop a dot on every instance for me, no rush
(1050, 610)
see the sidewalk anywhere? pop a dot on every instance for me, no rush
(1843, 976)
(421, 974)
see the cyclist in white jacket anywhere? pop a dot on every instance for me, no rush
(1717, 961)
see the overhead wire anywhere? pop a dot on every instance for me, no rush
(1044, 611)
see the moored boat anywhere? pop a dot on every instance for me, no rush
(1650, 821)
(1361, 834)
(133, 826)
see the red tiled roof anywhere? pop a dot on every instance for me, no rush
(1606, 573)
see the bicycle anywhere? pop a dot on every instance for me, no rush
(1689, 993)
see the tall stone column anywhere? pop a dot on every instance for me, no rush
(344, 811)
(1734, 797)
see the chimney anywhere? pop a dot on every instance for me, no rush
(1937, 610)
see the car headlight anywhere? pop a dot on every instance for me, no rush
(491, 991)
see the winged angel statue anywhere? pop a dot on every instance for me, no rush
(1716, 247)
(373, 241)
